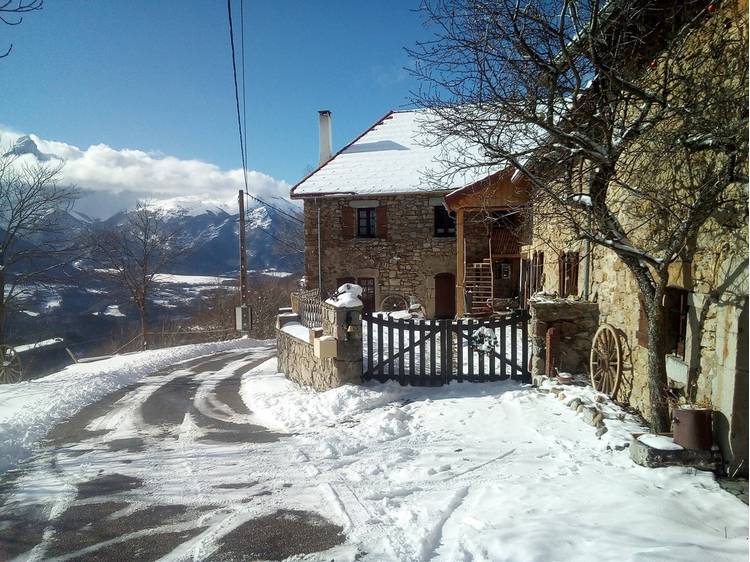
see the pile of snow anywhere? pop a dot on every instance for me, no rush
(347, 296)
(296, 330)
(29, 409)
(490, 471)
(662, 442)
(37, 345)
(280, 404)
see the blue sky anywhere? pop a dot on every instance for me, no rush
(156, 76)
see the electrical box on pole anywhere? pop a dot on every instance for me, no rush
(243, 315)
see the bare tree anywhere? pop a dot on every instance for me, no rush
(34, 243)
(11, 13)
(145, 243)
(627, 117)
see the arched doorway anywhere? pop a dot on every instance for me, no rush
(445, 295)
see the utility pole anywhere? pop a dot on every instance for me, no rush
(243, 319)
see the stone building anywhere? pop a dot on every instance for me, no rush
(706, 300)
(375, 215)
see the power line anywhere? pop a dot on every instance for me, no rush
(296, 249)
(237, 93)
(244, 68)
(240, 121)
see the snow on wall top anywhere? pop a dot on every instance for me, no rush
(393, 156)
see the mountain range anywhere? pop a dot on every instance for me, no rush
(209, 228)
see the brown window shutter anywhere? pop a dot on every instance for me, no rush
(573, 277)
(540, 275)
(382, 219)
(561, 262)
(539, 272)
(347, 222)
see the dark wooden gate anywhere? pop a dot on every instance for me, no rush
(435, 352)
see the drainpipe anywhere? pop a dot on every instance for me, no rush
(586, 271)
(587, 267)
(320, 251)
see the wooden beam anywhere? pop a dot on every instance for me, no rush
(460, 262)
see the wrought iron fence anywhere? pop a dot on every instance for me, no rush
(309, 306)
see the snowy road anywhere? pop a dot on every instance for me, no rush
(172, 465)
(222, 458)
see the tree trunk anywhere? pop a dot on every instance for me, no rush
(144, 324)
(2, 322)
(657, 366)
(2, 305)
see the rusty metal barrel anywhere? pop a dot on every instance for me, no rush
(692, 428)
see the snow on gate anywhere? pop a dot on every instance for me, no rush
(435, 352)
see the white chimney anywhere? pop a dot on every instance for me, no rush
(325, 136)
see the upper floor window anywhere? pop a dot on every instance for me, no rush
(568, 273)
(367, 222)
(445, 224)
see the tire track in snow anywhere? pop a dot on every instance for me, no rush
(431, 542)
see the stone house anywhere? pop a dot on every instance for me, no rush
(375, 215)
(706, 302)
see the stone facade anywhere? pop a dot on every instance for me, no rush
(714, 369)
(297, 357)
(403, 262)
(575, 322)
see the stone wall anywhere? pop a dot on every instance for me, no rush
(575, 323)
(321, 360)
(404, 262)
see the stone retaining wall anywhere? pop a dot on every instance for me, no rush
(575, 323)
(325, 358)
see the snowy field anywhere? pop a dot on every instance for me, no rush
(28, 409)
(490, 471)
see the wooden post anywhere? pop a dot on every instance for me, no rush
(460, 258)
(243, 266)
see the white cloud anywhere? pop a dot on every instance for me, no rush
(131, 174)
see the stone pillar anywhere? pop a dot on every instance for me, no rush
(344, 324)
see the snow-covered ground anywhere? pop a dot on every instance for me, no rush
(37, 345)
(170, 278)
(28, 409)
(491, 471)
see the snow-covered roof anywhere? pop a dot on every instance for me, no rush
(395, 155)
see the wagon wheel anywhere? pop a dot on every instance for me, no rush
(394, 302)
(606, 360)
(10, 365)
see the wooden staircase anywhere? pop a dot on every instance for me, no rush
(478, 279)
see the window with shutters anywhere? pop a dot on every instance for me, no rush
(445, 224)
(675, 320)
(367, 222)
(536, 281)
(568, 273)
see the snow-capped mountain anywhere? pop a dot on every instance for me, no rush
(212, 234)
(210, 227)
(26, 145)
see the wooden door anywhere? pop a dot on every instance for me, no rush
(368, 293)
(445, 295)
(506, 278)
